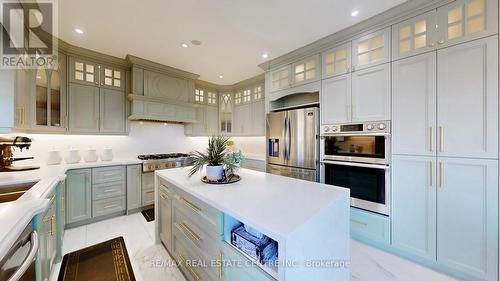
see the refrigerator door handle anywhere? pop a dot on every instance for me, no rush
(284, 134)
(289, 137)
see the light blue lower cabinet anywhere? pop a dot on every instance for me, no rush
(414, 205)
(78, 195)
(236, 267)
(467, 216)
(370, 226)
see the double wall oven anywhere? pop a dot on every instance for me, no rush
(357, 156)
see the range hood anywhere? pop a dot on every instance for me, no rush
(161, 110)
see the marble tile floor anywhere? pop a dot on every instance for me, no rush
(367, 263)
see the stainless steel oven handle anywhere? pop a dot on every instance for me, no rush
(27, 262)
(355, 164)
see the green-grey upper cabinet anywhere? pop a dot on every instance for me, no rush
(226, 109)
(281, 78)
(465, 20)
(112, 78)
(468, 99)
(336, 61)
(371, 94)
(467, 216)
(259, 118)
(414, 205)
(134, 187)
(414, 36)
(414, 105)
(159, 85)
(83, 72)
(211, 120)
(306, 70)
(372, 49)
(137, 82)
(83, 108)
(78, 195)
(112, 111)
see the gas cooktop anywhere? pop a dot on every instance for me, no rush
(152, 162)
(162, 156)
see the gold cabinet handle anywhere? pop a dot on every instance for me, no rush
(431, 176)
(191, 270)
(53, 225)
(221, 257)
(359, 222)
(108, 190)
(441, 174)
(431, 139)
(189, 232)
(441, 139)
(110, 206)
(433, 44)
(191, 205)
(441, 42)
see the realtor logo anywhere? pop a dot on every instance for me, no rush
(29, 38)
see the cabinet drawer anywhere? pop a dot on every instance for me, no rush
(190, 261)
(199, 213)
(108, 206)
(107, 190)
(148, 181)
(108, 174)
(148, 197)
(204, 239)
(370, 226)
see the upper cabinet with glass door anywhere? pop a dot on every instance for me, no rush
(414, 36)
(306, 70)
(337, 61)
(49, 109)
(91, 73)
(465, 20)
(281, 78)
(372, 49)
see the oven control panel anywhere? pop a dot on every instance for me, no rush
(357, 128)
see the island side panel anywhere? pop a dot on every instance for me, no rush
(323, 240)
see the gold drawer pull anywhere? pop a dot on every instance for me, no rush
(108, 190)
(53, 226)
(359, 222)
(191, 205)
(221, 272)
(191, 270)
(164, 196)
(110, 206)
(190, 232)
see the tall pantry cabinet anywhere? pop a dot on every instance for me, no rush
(445, 157)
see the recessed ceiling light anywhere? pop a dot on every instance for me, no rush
(184, 45)
(221, 76)
(354, 13)
(79, 30)
(265, 55)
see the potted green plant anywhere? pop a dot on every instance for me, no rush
(216, 158)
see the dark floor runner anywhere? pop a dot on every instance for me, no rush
(149, 214)
(106, 261)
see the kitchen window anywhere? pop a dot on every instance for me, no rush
(199, 96)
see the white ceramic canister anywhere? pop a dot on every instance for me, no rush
(72, 156)
(54, 157)
(107, 154)
(91, 155)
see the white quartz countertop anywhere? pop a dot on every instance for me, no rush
(273, 204)
(14, 216)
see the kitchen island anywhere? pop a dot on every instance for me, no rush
(308, 221)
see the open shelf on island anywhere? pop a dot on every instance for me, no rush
(230, 224)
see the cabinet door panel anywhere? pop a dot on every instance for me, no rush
(258, 121)
(211, 120)
(372, 49)
(414, 36)
(337, 61)
(112, 111)
(83, 72)
(336, 100)
(281, 78)
(134, 187)
(467, 216)
(414, 105)
(83, 108)
(465, 20)
(468, 99)
(414, 205)
(78, 195)
(306, 70)
(166, 217)
(371, 94)
(158, 85)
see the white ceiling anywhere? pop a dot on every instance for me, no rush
(234, 33)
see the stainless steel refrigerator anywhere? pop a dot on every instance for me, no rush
(293, 143)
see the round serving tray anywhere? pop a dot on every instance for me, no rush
(228, 180)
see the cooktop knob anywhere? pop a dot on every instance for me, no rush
(369, 127)
(326, 129)
(334, 128)
(381, 126)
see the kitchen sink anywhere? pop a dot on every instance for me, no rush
(12, 192)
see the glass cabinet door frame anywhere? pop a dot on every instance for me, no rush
(333, 60)
(405, 35)
(371, 49)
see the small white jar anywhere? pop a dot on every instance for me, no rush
(72, 156)
(107, 154)
(91, 155)
(54, 157)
